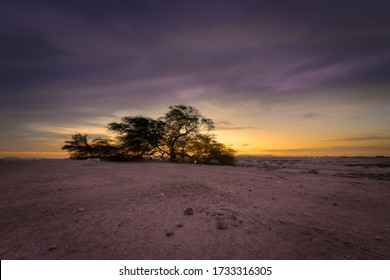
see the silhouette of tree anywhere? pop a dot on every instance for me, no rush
(138, 136)
(178, 135)
(79, 146)
(182, 124)
(82, 147)
(205, 149)
(105, 148)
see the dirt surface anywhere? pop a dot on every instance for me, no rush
(265, 208)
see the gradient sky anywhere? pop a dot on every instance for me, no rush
(277, 77)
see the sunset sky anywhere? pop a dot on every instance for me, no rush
(277, 77)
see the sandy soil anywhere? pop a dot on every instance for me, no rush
(265, 208)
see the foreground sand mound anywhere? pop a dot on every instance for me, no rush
(276, 208)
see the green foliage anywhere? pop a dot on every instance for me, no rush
(178, 135)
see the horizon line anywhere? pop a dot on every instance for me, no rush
(239, 155)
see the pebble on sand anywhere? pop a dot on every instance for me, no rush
(188, 211)
(221, 225)
(170, 233)
(81, 209)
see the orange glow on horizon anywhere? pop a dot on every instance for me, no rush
(34, 154)
(350, 151)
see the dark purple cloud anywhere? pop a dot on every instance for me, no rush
(64, 63)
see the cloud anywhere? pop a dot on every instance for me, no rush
(361, 138)
(335, 150)
(229, 126)
(311, 115)
(66, 64)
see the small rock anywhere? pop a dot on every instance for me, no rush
(81, 209)
(378, 237)
(52, 247)
(179, 225)
(221, 225)
(170, 233)
(188, 211)
(233, 217)
(335, 204)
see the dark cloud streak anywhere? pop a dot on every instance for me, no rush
(362, 138)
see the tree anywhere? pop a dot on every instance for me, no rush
(105, 148)
(178, 134)
(182, 124)
(206, 149)
(138, 136)
(82, 147)
(79, 146)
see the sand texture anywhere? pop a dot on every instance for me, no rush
(265, 208)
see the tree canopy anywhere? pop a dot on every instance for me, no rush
(82, 147)
(138, 135)
(181, 135)
(182, 126)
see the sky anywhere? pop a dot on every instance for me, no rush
(277, 77)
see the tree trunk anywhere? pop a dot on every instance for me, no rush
(172, 155)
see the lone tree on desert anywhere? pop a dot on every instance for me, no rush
(182, 127)
(181, 135)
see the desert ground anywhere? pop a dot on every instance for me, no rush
(263, 208)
